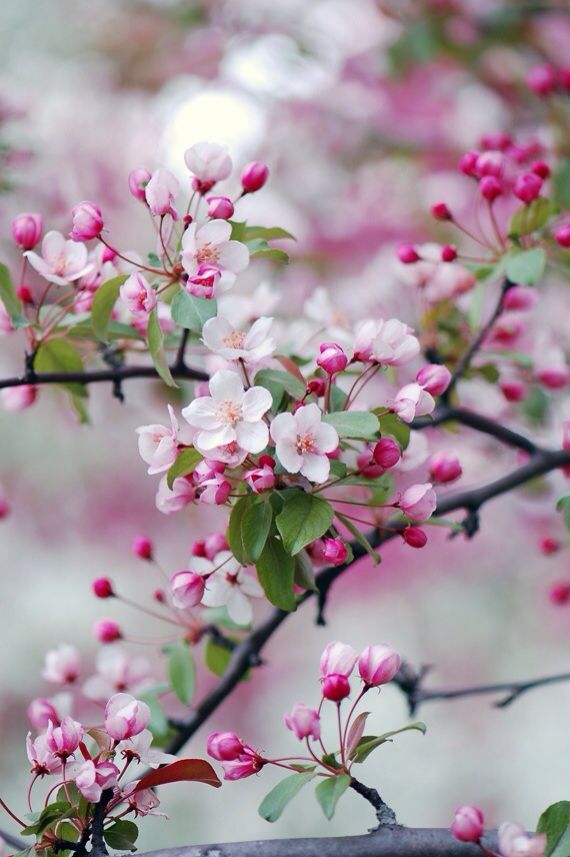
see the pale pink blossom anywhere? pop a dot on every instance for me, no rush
(93, 778)
(138, 295)
(261, 479)
(117, 672)
(63, 740)
(418, 502)
(214, 491)
(87, 221)
(19, 398)
(211, 244)
(514, 841)
(412, 401)
(62, 664)
(337, 659)
(227, 341)
(378, 664)
(139, 750)
(125, 716)
(230, 414)
(187, 587)
(161, 191)
(224, 746)
(304, 722)
(41, 710)
(230, 587)
(302, 442)
(203, 283)
(434, 378)
(444, 467)
(142, 801)
(61, 261)
(209, 163)
(158, 444)
(169, 500)
(42, 759)
(390, 342)
(247, 764)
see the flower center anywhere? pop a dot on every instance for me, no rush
(229, 412)
(59, 266)
(306, 443)
(207, 255)
(235, 339)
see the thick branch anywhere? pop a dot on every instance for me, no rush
(384, 814)
(97, 376)
(445, 414)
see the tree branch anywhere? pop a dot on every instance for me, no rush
(445, 413)
(384, 813)
(114, 375)
(12, 841)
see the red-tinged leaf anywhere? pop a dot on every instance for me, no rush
(189, 770)
(356, 731)
(290, 366)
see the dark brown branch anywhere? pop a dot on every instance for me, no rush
(97, 376)
(445, 414)
(512, 689)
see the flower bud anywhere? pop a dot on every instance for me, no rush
(562, 235)
(224, 746)
(198, 548)
(520, 298)
(215, 543)
(548, 545)
(40, 711)
(220, 207)
(559, 593)
(203, 282)
(335, 687)
(490, 188)
(542, 79)
(138, 295)
(27, 230)
(332, 358)
(159, 596)
(415, 537)
(337, 658)
(541, 169)
(496, 140)
(367, 466)
(125, 716)
(138, 180)
(19, 398)
(87, 221)
(102, 587)
(25, 294)
(513, 390)
(5, 508)
(441, 212)
(378, 664)
(527, 187)
(187, 589)
(254, 176)
(64, 740)
(434, 378)
(407, 254)
(448, 253)
(316, 387)
(106, 631)
(330, 550)
(468, 824)
(260, 479)
(142, 547)
(387, 453)
(418, 502)
(491, 164)
(468, 163)
(444, 467)
(304, 722)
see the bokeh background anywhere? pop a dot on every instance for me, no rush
(362, 109)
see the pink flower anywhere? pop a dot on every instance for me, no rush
(520, 298)
(160, 193)
(19, 398)
(203, 283)
(142, 547)
(491, 187)
(40, 711)
(158, 444)
(542, 79)
(138, 180)
(214, 544)
(62, 665)
(468, 824)
(254, 176)
(87, 221)
(514, 841)
(444, 467)
(187, 589)
(224, 746)
(64, 740)
(125, 716)
(61, 261)
(42, 759)
(138, 295)
(211, 245)
(247, 764)
(337, 659)
(93, 778)
(230, 414)
(378, 664)
(527, 187)
(418, 502)
(302, 442)
(551, 369)
(173, 500)
(117, 672)
(332, 358)
(434, 378)
(304, 722)
(220, 207)
(407, 254)
(335, 687)
(261, 479)
(252, 346)
(387, 453)
(330, 550)
(142, 801)
(209, 163)
(106, 631)
(389, 342)
(139, 749)
(562, 235)
(412, 401)
(27, 230)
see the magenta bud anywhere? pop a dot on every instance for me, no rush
(254, 176)
(520, 298)
(198, 548)
(378, 664)
(441, 212)
(415, 537)
(387, 453)
(106, 631)
(434, 378)
(224, 746)
(220, 207)
(87, 221)
(559, 593)
(27, 230)
(330, 550)
(542, 79)
(317, 387)
(562, 235)
(216, 542)
(444, 467)
(332, 358)
(513, 390)
(138, 180)
(541, 169)
(468, 824)
(468, 163)
(19, 398)
(490, 188)
(548, 545)
(527, 187)
(448, 253)
(407, 254)
(25, 294)
(336, 687)
(142, 547)
(102, 587)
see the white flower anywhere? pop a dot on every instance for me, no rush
(231, 587)
(231, 343)
(158, 444)
(61, 261)
(117, 671)
(246, 308)
(211, 245)
(209, 162)
(411, 401)
(138, 748)
(161, 192)
(514, 841)
(230, 414)
(302, 441)
(390, 342)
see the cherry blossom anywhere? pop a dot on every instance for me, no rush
(389, 342)
(161, 191)
(252, 346)
(302, 442)
(125, 716)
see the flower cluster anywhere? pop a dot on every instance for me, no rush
(514, 841)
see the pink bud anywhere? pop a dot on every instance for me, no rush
(27, 230)
(542, 79)
(520, 298)
(106, 631)
(304, 722)
(527, 187)
(125, 716)
(540, 168)
(513, 390)
(5, 508)
(554, 378)
(138, 180)
(337, 658)
(491, 164)
(220, 207)
(25, 294)
(336, 687)
(247, 764)
(418, 502)
(214, 544)
(378, 664)
(254, 176)
(260, 479)
(198, 548)
(367, 466)
(562, 235)
(102, 587)
(448, 253)
(468, 163)
(19, 398)
(441, 212)
(407, 254)
(387, 453)
(444, 467)
(496, 140)
(565, 77)
(559, 593)
(332, 358)
(224, 746)
(142, 546)
(187, 589)
(434, 378)
(316, 387)
(548, 545)
(415, 537)
(330, 550)
(87, 221)
(203, 282)
(490, 187)
(468, 824)
(215, 491)
(64, 740)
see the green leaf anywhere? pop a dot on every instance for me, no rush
(330, 791)
(185, 463)
(268, 252)
(216, 657)
(191, 312)
(368, 743)
(121, 835)
(279, 797)
(269, 233)
(526, 267)
(304, 518)
(561, 184)
(304, 572)
(256, 524)
(358, 424)
(58, 355)
(360, 538)
(529, 218)
(52, 813)
(555, 822)
(234, 532)
(105, 299)
(181, 670)
(563, 506)
(155, 339)
(10, 299)
(158, 723)
(270, 378)
(392, 425)
(275, 571)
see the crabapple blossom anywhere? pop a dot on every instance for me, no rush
(93, 777)
(542, 79)
(141, 801)
(87, 221)
(138, 295)
(230, 414)
(19, 398)
(548, 545)
(514, 841)
(170, 500)
(230, 587)
(187, 589)
(161, 191)
(302, 442)
(407, 254)
(211, 245)
(203, 283)
(125, 716)
(254, 176)
(559, 593)
(27, 230)
(61, 261)
(117, 672)
(412, 401)
(214, 544)
(142, 547)
(415, 537)
(551, 369)
(6, 325)
(261, 479)
(42, 759)
(491, 187)
(40, 711)
(418, 502)
(63, 740)
(441, 212)
(468, 824)
(158, 444)
(138, 180)
(562, 235)
(332, 358)
(386, 453)
(390, 342)
(224, 746)
(137, 748)
(444, 467)
(337, 659)
(378, 664)
(209, 163)
(520, 298)
(335, 687)
(330, 550)
(253, 346)
(220, 207)
(448, 253)
(214, 491)
(106, 631)
(62, 664)
(468, 163)
(527, 187)
(304, 722)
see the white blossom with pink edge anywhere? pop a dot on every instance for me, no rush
(62, 261)
(390, 342)
(62, 664)
(138, 748)
(230, 414)
(412, 401)
(161, 192)
(210, 244)
(158, 444)
(173, 500)
(117, 671)
(125, 716)
(208, 162)
(302, 442)
(229, 587)
(225, 340)
(514, 841)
